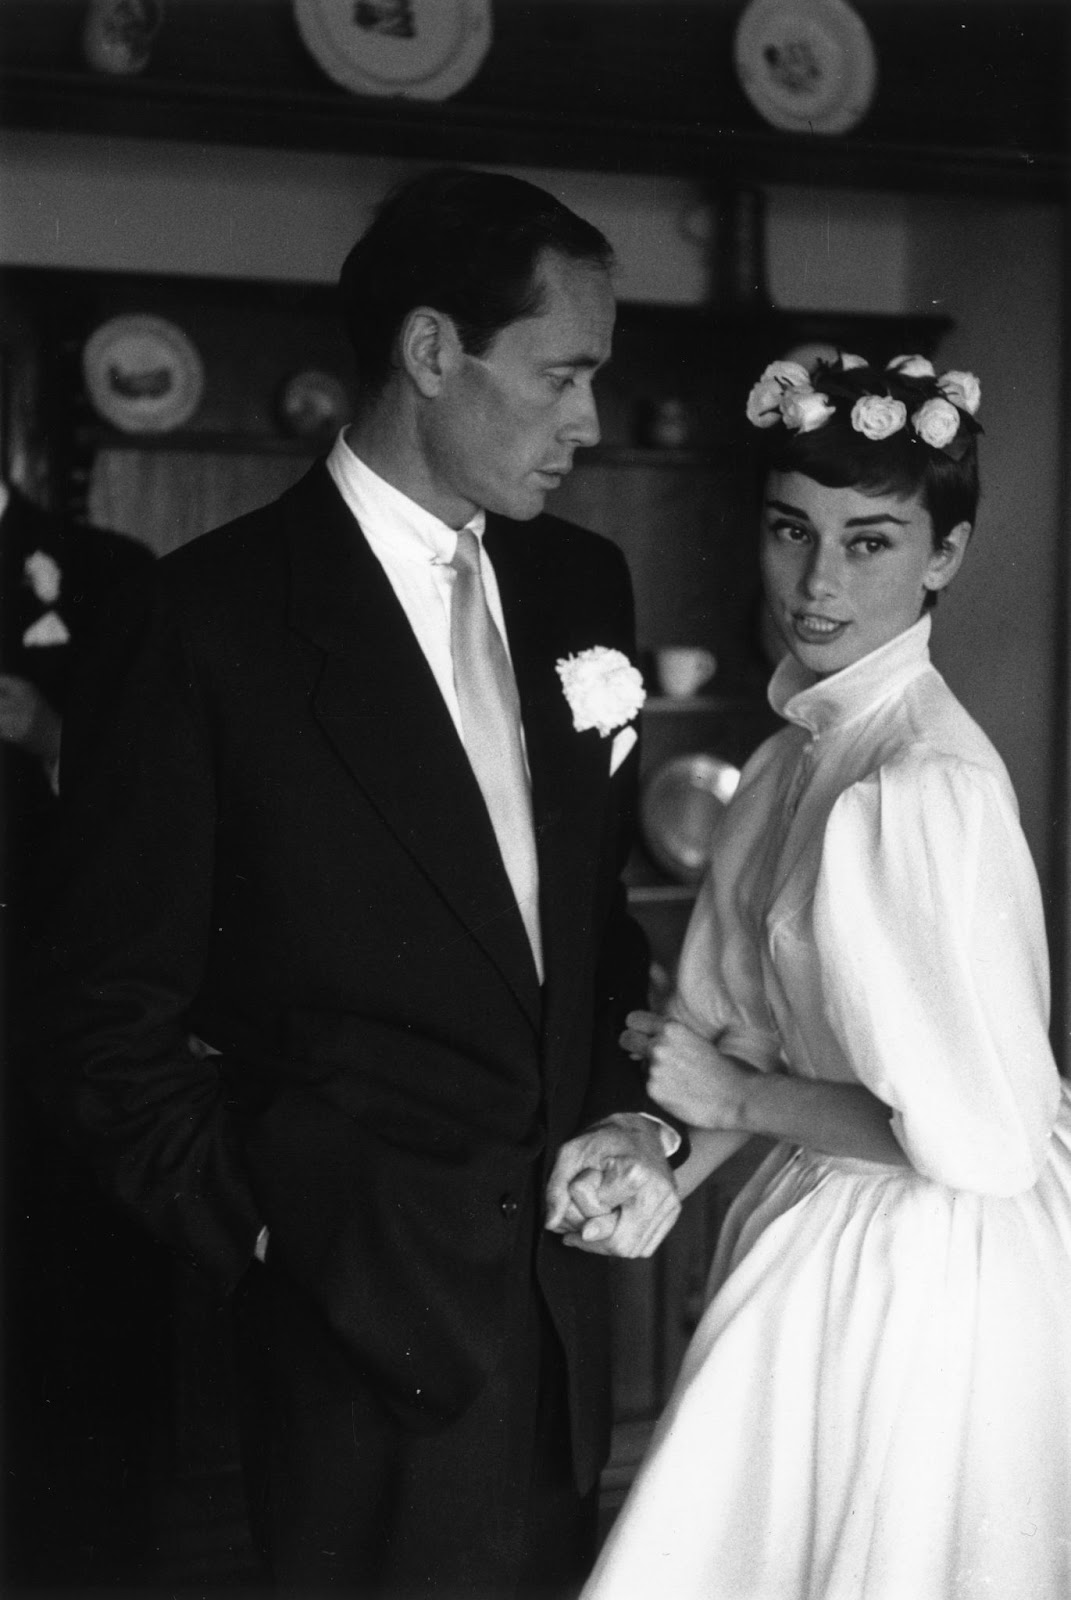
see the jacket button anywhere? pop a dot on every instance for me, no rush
(508, 1205)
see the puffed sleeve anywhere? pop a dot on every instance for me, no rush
(932, 957)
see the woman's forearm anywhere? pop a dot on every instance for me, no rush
(836, 1119)
(710, 1148)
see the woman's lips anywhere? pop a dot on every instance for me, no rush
(815, 629)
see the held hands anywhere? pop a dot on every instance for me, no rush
(686, 1073)
(611, 1191)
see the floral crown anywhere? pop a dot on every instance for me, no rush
(939, 411)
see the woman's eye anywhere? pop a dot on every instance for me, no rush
(870, 545)
(790, 532)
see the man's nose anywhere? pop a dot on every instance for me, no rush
(581, 426)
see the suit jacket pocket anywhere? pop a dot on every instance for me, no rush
(408, 1254)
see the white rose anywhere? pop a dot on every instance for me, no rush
(805, 409)
(43, 576)
(877, 416)
(848, 361)
(962, 388)
(603, 688)
(764, 403)
(911, 366)
(936, 423)
(789, 374)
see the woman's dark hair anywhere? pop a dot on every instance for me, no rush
(837, 455)
(466, 243)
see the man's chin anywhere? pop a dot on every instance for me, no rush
(520, 507)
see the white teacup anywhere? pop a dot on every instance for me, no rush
(684, 669)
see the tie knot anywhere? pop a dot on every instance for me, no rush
(467, 554)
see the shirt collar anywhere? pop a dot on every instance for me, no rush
(387, 515)
(818, 704)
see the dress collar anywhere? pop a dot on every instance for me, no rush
(819, 704)
(385, 513)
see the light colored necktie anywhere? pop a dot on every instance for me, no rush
(491, 719)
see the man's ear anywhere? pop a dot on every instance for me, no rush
(947, 560)
(429, 347)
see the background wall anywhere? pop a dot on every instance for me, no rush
(995, 268)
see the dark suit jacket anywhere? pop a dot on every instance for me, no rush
(97, 569)
(276, 841)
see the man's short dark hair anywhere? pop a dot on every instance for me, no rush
(464, 242)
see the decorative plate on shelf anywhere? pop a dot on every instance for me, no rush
(313, 404)
(142, 373)
(679, 806)
(426, 48)
(807, 66)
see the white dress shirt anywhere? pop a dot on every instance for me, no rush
(415, 550)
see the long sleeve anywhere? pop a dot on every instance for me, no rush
(932, 956)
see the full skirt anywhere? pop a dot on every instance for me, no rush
(876, 1404)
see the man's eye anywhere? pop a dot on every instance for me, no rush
(562, 380)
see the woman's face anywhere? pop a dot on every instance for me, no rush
(845, 572)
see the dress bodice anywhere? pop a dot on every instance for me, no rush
(871, 913)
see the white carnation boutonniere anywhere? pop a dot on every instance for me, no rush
(603, 688)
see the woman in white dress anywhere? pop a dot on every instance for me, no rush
(876, 1404)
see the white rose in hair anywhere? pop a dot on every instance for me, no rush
(936, 423)
(878, 416)
(849, 361)
(912, 366)
(962, 388)
(805, 409)
(764, 403)
(789, 374)
(603, 688)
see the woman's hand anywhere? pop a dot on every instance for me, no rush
(687, 1074)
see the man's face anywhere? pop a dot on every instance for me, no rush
(504, 426)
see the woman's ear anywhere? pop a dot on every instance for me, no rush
(946, 561)
(429, 348)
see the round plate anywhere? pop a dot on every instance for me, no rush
(425, 48)
(313, 403)
(680, 804)
(143, 374)
(806, 65)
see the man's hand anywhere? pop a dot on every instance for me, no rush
(611, 1191)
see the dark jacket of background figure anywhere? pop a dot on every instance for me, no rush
(82, 1287)
(278, 843)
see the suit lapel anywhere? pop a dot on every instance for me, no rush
(379, 705)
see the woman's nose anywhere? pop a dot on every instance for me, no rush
(821, 574)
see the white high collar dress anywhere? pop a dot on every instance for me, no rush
(876, 1404)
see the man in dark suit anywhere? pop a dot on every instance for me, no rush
(348, 831)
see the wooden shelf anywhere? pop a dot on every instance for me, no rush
(697, 704)
(650, 894)
(571, 84)
(635, 455)
(209, 441)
